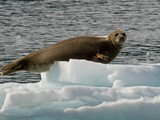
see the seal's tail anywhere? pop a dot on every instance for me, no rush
(11, 67)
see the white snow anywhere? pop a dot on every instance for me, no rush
(83, 90)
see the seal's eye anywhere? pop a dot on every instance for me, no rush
(116, 34)
(124, 34)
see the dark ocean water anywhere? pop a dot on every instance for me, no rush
(28, 25)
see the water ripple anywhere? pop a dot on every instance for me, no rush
(28, 25)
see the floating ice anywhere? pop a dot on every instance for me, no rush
(80, 89)
(96, 74)
(147, 57)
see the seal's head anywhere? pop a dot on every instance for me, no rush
(118, 37)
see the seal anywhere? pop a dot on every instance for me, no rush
(102, 49)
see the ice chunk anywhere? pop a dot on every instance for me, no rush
(90, 73)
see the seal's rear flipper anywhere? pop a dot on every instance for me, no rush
(9, 68)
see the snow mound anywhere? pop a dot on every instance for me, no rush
(80, 89)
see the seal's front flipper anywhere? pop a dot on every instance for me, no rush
(102, 58)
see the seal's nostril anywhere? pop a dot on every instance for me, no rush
(122, 39)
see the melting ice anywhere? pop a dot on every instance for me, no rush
(80, 89)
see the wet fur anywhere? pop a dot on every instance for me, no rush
(98, 49)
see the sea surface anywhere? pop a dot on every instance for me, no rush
(28, 25)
